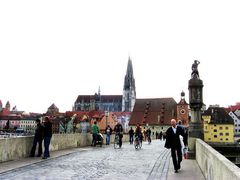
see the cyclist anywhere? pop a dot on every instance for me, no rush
(118, 129)
(138, 132)
(148, 133)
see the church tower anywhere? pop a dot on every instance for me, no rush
(129, 90)
(183, 111)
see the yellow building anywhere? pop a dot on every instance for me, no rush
(218, 125)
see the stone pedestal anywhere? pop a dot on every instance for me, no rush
(195, 131)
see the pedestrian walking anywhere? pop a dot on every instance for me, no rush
(95, 132)
(108, 132)
(148, 134)
(131, 134)
(173, 143)
(38, 138)
(47, 135)
(156, 135)
(160, 135)
(144, 135)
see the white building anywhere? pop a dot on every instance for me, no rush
(28, 125)
(236, 122)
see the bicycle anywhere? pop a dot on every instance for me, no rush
(117, 141)
(137, 143)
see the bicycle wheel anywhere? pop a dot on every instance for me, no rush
(116, 142)
(149, 140)
(136, 144)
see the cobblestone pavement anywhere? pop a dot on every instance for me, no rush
(151, 162)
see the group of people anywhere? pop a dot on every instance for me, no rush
(118, 129)
(138, 133)
(43, 132)
(176, 138)
(173, 141)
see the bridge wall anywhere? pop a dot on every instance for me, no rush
(213, 164)
(19, 147)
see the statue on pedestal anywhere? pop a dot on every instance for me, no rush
(195, 73)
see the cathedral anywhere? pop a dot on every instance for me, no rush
(112, 103)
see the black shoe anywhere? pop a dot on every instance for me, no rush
(31, 155)
(176, 171)
(44, 157)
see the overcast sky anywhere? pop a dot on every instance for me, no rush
(53, 51)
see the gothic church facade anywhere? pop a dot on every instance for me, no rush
(111, 103)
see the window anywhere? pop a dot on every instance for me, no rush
(226, 128)
(220, 128)
(226, 139)
(227, 134)
(221, 134)
(215, 136)
(214, 130)
(209, 138)
(221, 139)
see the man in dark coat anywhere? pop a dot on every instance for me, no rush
(173, 142)
(38, 137)
(47, 136)
(131, 133)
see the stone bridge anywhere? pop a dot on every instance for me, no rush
(72, 157)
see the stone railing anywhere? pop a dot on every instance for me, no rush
(19, 147)
(213, 164)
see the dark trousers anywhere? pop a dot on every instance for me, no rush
(176, 157)
(107, 139)
(120, 140)
(46, 146)
(131, 139)
(36, 141)
(94, 139)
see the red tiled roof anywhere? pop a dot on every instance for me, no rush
(96, 114)
(122, 113)
(158, 111)
(233, 108)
